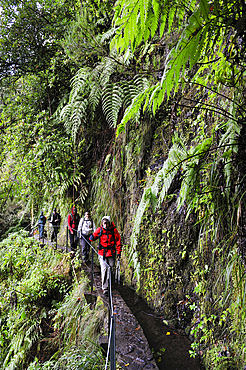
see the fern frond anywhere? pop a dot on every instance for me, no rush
(135, 21)
(111, 103)
(133, 111)
(79, 81)
(22, 341)
(133, 88)
(107, 35)
(108, 68)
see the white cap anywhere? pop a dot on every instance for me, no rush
(106, 218)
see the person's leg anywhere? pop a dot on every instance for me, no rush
(52, 234)
(41, 231)
(110, 261)
(103, 274)
(76, 239)
(87, 247)
(71, 237)
(55, 233)
(105, 271)
(83, 247)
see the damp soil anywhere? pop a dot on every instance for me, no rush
(169, 346)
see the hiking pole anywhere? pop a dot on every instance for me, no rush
(56, 241)
(92, 269)
(117, 272)
(67, 240)
(110, 289)
(112, 324)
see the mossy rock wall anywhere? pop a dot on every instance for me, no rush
(180, 268)
(166, 238)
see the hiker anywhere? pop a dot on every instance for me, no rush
(109, 247)
(55, 221)
(41, 223)
(85, 229)
(73, 222)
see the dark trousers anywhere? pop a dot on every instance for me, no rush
(40, 230)
(85, 247)
(73, 240)
(54, 233)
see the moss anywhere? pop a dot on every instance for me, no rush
(219, 357)
(208, 308)
(169, 303)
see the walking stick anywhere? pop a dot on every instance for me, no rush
(117, 272)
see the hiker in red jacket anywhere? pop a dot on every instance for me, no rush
(109, 247)
(73, 222)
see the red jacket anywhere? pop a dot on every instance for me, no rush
(109, 240)
(73, 221)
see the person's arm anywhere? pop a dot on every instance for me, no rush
(94, 226)
(80, 227)
(69, 224)
(95, 235)
(117, 242)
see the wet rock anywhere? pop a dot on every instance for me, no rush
(103, 343)
(129, 349)
(138, 351)
(139, 360)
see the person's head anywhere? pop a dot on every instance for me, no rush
(87, 214)
(74, 211)
(106, 222)
(41, 213)
(54, 210)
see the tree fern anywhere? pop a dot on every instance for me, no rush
(92, 88)
(135, 21)
(201, 38)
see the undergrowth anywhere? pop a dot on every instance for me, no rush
(45, 320)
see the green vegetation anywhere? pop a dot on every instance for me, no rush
(135, 109)
(44, 315)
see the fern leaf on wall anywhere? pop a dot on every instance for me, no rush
(112, 97)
